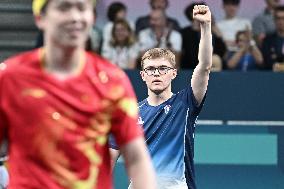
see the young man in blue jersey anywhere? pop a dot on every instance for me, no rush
(169, 119)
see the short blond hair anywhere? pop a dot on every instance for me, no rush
(156, 53)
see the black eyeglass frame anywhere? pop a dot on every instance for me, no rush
(162, 70)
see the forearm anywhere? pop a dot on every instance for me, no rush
(139, 174)
(233, 61)
(114, 155)
(200, 75)
(257, 55)
(205, 48)
(138, 164)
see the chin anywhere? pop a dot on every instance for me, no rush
(73, 44)
(157, 91)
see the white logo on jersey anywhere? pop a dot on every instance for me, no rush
(167, 109)
(140, 121)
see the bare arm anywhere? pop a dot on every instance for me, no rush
(257, 55)
(114, 155)
(138, 164)
(234, 60)
(200, 76)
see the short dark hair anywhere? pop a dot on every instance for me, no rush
(151, 3)
(113, 9)
(188, 10)
(238, 34)
(231, 2)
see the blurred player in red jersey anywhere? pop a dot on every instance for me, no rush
(58, 104)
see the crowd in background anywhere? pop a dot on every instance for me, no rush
(239, 43)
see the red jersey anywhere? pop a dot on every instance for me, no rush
(58, 129)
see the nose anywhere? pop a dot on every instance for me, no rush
(156, 72)
(75, 15)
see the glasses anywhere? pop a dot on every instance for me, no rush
(162, 70)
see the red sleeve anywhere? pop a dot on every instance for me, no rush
(124, 122)
(2, 120)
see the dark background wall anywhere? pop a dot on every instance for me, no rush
(233, 95)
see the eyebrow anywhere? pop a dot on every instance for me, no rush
(71, 3)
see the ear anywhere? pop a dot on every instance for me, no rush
(39, 21)
(142, 75)
(174, 74)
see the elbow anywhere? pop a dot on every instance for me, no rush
(204, 69)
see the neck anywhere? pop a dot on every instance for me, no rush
(159, 32)
(62, 62)
(155, 99)
(121, 44)
(229, 17)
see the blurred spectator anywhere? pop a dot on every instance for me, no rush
(96, 38)
(191, 38)
(263, 23)
(248, 56)
(273, 45)
(116, 10)
(231, 24)
(144, 21)
(160, 34)
(122, 49)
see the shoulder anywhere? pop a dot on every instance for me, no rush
(173, 21)
(176, 34)
(186, 29)
(142, 18)
(103, 67)
(18, 62)
(146, 31)
(108, 26)
(221, 22)
(145, 34)
(23, 57)
(142, 103)
(259, 17)
(270, 38)
(99, 62)
(243, 21)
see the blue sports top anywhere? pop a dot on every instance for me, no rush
(169, 133)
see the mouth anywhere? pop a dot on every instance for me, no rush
(156, 81)
(74, 31)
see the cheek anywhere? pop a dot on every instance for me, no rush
(89, 18)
